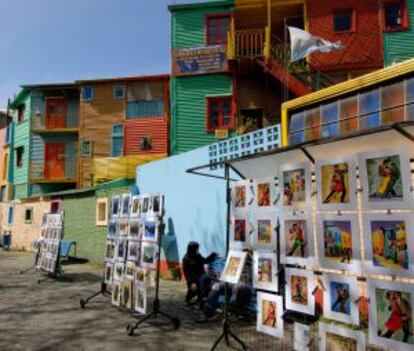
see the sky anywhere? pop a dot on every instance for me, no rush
(47, 41)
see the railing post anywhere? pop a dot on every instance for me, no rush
(267, 44)
(231, 38)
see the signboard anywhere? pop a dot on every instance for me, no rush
(199, 60)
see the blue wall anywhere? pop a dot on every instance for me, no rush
(195, 206)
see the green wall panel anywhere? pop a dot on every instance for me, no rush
(188, 127)
(399, 46)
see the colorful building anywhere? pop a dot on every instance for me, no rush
(5, 143)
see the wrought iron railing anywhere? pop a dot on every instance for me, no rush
(249, 43)
(42, 170)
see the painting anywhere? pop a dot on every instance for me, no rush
(130, 270)
(110, 250)
(140, 298)
(296, 182)
(336, 338)
(265, 271)
(118, 272)
(240, 195)
(135, 229)
(339, 298)
(339, 242)
(145, 203)
(133, 250)
(234, 266)
(387, 247)
(126, 294)
(264, 232)
(269, 318)
(112, 228)
(150, 230)
(149, 255)
(240, 236)
(121, 247)
(391, 314)
(266, 194)
(336, 184)
(135, 206)
(109, 271)
(123, 227)
(116, 293)
(299, 290)
(296, 239)
(385, 179)
(156, 204)
(125, 205)
(140, 275)
(115, 206)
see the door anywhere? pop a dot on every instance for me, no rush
(55, 113)
(55, 161)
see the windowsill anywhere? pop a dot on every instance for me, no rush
(230, 129)
(350, 31)
(397, 29)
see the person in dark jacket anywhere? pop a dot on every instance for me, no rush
(194, 272)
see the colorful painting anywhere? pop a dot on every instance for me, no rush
(240, 196)
(110, 250)
(149, 255)
(337, 241)
(116, 206)
(135, 206)
(299, 290)
(156, 204)
(140, 298)
(264, 231)
(240, 230)
(116, 294)
(265, 271)
(336, 338)
(296, 242)
(150, 232)
(294, 187)
(145, 204)
(270, 309)
(126, 200)
(335, 183)
(112, 228)
(263, 194)
(234, 266)
(340, 343)
(135, 229)
(109, 273)
(121, 249)
(340, 297)
(126, 294)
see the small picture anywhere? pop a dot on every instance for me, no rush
(334, 337)
(110, 250)
(112, 228)
(118, 271)
(299, 290)
(385, 179)
(339, 298)
(140, 298)
(296, 239)
(109, 267)
(149, 255)
(129, 270)
(265, 231)
(133, 250)
(156, 204)
(123, 227)
(339, 241)
(336, 184)
(295, 183)
(126, 201)
(135, 229)
(140, 275)
(150, 230)
(126, 293)
(265, 271)
(234, 267)
(239, 195)
(115, 206)
(145, 203)
(121, 247)
(391, 315)
(239, 231)
(270, 310)
(388, 249)
(265, 192)
(135, 206)
(116, 293)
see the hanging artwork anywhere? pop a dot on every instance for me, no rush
(125, 205)
(123, 227)
(295, 182)
(296, 239)
(239, 231)
(334, 337)
(135, 229)
(116, 293)
(135, 206)
(269, 318)
(391, 314)
(386, 179)
(339, 242)
(301, 337)
(150, 229)
(109, 271)
(121, 249)
(339, 298)
(115, 206)
(112, 228)
(126, 293)
(133, 250)
(265, 271)
(129, 270)
(299, 288)
(241, 195)
(110, 250)
(264, 230)
(336, 184)
(234, 267)
(141, 275)
(156, 204)
(149, 255)
(388, 249)
(119, 271)
(266, 194)
(145, 203)
(140, 298)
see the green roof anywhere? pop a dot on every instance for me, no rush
(18, 100)
(201, 5)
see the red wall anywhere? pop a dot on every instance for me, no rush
(136, 129)
(363, 47)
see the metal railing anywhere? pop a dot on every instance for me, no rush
(41, 170)
(249, 43)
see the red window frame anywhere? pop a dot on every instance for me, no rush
(20, 113)
(405, 21)
(220, 40)
(352, 17)
(220, 125)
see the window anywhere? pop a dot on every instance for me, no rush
(395, 15)
(118, 92)
(8, 133)
(219, 113)
(217, 28)
(3, 190)
(28, 215)
(145, 99)
(86, 148)
(102, 211)
(348, 114)
(343, 20)
(117, 140)
(369, 106)
(87, 93)
(330, 118)
(55, 206)
(19, 156)
(392, 103)
(10, 215)
(20, 113)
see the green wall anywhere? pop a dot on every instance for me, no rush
(188, 127)
(399, 46)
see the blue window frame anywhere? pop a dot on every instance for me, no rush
(369, 107)
(297, 122)
(10, 215)
(330, 119)
(117, 140)
(118, 92)
(87, 93)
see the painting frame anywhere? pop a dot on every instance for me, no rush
(277, 300)
(109, 273)
(239, 220)
(143, 257)
(125, 205)
(309, 308)
(266, 194)
(156, 207)
(140, 289)
(265, 221)
(115, 206)
(273, 285)
(241, 196)
(233, 256)
(116, 293)
(348, 333)
(135, 206)
(150, 229)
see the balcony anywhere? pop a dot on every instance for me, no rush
(61, 170)
(42, 124)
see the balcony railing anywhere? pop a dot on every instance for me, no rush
(40, 124)
(52, 171)
(249, 43)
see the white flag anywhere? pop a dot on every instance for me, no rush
(303, 44)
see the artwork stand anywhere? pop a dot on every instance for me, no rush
(156, 306)
(104, 292)
(34, 265)
(57, 274)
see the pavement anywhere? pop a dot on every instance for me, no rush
(48, 316)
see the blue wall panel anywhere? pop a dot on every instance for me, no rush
(72, 113)
(142, 109)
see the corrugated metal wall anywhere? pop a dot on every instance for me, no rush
(137, 129)
(188, 94)
(399, 46)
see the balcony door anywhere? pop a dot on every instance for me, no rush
(55, 113)
(55, 161)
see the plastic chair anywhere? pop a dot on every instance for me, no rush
(65, 247)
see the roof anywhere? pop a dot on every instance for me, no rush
(50, 86)
(201, 5)
(124, 79)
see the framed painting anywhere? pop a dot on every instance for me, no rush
(112, 228)
(266, 194)
(118, 271)
(299, 288)
(115, 205)
(335, 337)
(391, 314)
(336, 184)
(295, 182)
(110, 250)
(388, 249)
(339, 296)
(156, 204)
(116, 293)
(149, 255)
(135, 231)
(125, 205)
(296, 239)
(141, 275)
(265, 271)
(241, 195)
(135, 206)
(126, 293)
(121, 249)
(265, 230)
(109, 271)
(386, 179)
(150, 232)
(129, 270)
(133, 250)
(339, 242)
(234, 267)
(240, 231)
(145, 207)
(123, 226)
(269, 314)
(140, 298)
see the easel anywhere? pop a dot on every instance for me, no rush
(156, 306)
(34, 265)
(104, 292)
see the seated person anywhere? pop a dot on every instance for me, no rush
(198, 282)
